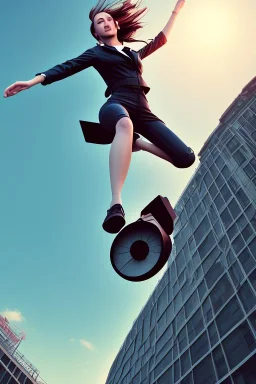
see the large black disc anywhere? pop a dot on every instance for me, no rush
(137, 253)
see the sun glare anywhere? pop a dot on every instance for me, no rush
(214, 24)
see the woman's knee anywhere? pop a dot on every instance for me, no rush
(185, 161)
(125, 125)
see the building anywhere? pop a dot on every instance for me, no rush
(14, 367)
(199, 324)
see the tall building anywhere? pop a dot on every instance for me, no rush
(199, 324)
(14, 367)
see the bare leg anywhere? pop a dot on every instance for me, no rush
(120, 157)
(152, 148)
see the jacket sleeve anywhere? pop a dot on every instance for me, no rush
(68, 68)
(151, 47)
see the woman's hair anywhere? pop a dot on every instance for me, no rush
(125, 14)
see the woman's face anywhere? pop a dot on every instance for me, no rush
(104, 25)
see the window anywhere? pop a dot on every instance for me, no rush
(6, 378)
(226, 218)
(175, 350)
(220, 181)
(162, 302)
(183, 340)
(176, 370)
(246, 373)
(234, 209)
(187, 380)
(247, 261)
(247, 297)
(5, 359)
(227, 381)
(185, 362)
(252, 246)
(247, 233)
(220, 162)
(177, 302)
(248, 169)
(213, 335)
(239, 156)
(11, 366)
(238, 243)
(252, 278)
(201, 230)
(199, 348)
(206, 245)
(242, 198)
(180, 262)
(229, 316)
(208, 179)
(221, 293)
(219, 201)
(232, 144)
(164, 338)
(211, 258)
(225, 192)
(236, 274)
(200, 212)
(180, 319)
(2, 371)
(207, 310)
(239, 344)
(202, 289)
(232, 231)
(220, 363)
(16, 372)
(242, 222)
(250, 116)
(213, 190)
(191, 304)
(166, 377)
(195, 325)
(226, 172)
(204, 372)
(173, 273)
(214, 273)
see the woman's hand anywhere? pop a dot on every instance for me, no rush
(17, 87)
(179, 5)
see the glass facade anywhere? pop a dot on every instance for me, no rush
(199, 324)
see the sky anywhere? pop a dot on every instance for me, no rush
(57, 281)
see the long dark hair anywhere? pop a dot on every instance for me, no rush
(128, 21)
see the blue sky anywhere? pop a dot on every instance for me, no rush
(57, 281)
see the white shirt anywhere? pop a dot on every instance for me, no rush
(120, 49)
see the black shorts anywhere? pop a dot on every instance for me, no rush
(132, 102)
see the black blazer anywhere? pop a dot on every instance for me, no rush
(115, 68)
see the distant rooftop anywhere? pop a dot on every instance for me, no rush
(10, 339)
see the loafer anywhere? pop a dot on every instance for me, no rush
(115, 219)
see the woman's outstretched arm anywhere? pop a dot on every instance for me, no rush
(161, 38)
(167, 29)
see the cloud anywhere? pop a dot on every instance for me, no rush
(86, 344)
(13, 315)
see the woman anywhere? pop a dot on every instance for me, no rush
(126, 113)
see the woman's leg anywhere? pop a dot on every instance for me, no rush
(120, 157)
(163, 138)
(152, 148)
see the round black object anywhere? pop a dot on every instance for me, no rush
(139, 250)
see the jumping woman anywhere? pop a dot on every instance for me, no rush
(126, 113)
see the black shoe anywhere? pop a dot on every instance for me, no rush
(115, 219)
